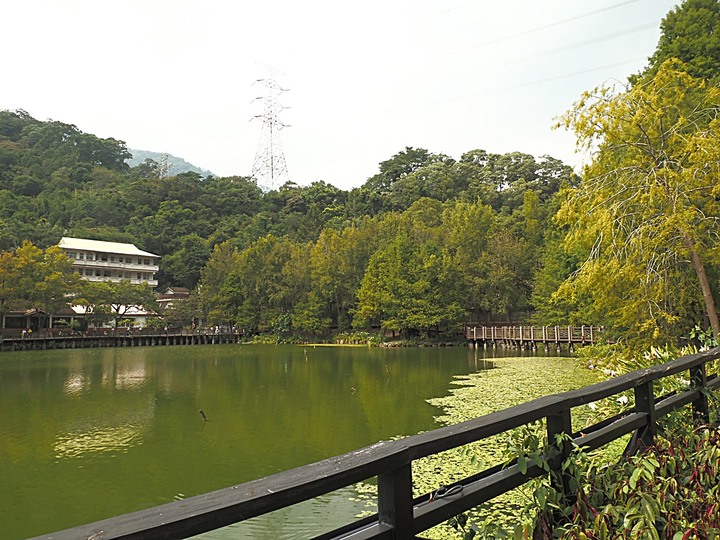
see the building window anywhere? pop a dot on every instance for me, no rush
(139, 275)
(71, 254)
(112, 258)
(90, 256)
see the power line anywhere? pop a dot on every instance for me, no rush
(536, 82)
(576, 45)
(591, 41)
(474, 3)
(539, 28)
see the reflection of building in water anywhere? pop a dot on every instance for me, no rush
(110, 431)
(126, 377)
(116, 428)
(75, 383)
(120, 377)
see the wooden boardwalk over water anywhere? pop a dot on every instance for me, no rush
(531, 336)
(119, 339)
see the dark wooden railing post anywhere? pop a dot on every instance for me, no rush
(645, 403)
(700, 407)
(559, 424)
(395, 503)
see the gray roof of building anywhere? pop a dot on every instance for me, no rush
(83, 244)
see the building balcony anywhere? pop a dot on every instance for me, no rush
(151, 282)
(84, 263)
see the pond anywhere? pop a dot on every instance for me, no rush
(88, 434)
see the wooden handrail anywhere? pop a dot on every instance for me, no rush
(522, 335)
(399, 516)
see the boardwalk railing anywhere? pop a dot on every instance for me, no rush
(145, 338)
(520, 335)
(400, 516)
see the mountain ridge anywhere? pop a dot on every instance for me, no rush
(176, 165)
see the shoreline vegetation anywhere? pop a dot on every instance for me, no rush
(360, 338)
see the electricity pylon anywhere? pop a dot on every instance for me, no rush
(269, 169)
(164, 166)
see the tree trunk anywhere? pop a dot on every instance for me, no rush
(704, 285)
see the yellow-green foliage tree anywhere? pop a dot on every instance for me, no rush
(33, 278)
(223, 260)
(645, 215)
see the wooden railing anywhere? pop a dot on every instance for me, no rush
(534, 334)
(400, 516)
(112, 338)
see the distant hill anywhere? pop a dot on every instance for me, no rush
(176, 165)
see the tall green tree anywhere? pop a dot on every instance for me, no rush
(409, 288)
(691, 33)
(508, 282)
(223, 260)
(184, 266)
(338, 261)
(269, 281)
(400, 165)
(467, 227)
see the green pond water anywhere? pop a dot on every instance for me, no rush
(88, 434)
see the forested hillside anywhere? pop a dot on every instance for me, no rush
(447, 239)
(431, 240)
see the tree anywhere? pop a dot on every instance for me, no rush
(647, 210)
(184, 266)
(223, 260)
(409, 287)
(337, 263)
(556, 265)
(36, 278)
(690, 33)
(400, 165)
(8, 280)
(270, 279)
(509, 272)
(112, 300)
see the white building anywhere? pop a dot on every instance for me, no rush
(96, 260)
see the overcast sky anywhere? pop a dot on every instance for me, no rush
(365, 79)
